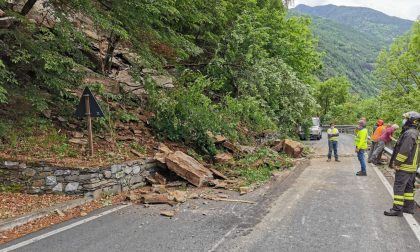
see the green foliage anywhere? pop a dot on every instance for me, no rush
(138, 147)
(400, 64)
(126, 117)
(250, 112)
(396, 68)
(186, 115)
(258, 167)
(13, 187)
(258, 64)
(330, 93)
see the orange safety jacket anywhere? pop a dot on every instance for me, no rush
(378, 132)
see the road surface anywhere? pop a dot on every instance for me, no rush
(321, 207)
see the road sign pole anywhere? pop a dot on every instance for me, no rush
(89, 123)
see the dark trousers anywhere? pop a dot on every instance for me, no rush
(372, 149)
(377, 152)
(332, 145)
(404, 190)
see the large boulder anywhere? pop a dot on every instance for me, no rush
(188, 168)
(293, 148)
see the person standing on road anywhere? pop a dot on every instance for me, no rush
(333, 134)
(384, 139)
(405, 160)
(377, 133)
(361, 145)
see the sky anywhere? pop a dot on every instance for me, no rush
(407, 9)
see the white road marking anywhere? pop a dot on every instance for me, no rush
(216, 246)
(303, 220)
(414, 225)
(54, 232)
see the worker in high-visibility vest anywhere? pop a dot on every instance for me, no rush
(360, 141)
(405, 160)
(333, 134)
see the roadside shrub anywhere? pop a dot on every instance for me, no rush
(186, 115)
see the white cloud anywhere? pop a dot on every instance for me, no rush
(408, 9)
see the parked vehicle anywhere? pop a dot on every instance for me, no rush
(314, 132)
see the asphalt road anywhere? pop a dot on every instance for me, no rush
(323, 207)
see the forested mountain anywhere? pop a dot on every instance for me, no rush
(362, 19)
(351, 38)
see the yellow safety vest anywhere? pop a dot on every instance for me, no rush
(333, 132)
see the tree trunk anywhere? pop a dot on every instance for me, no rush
(112, 44)
(28, 7)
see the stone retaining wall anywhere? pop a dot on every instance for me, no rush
(41, 178)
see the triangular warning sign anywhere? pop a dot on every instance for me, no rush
(95, 110)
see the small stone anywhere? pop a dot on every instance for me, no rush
(244, 190)
(83, 214)
(47, 169)
(107, 174)
(119, 174)
(10, 163)
(58, 188)
(2, 13)
(136, 169)
(62, 172)
(22, 165)
(45, 174)
(128, 169)
(193, 196)
(168, 213)
(61, 119)
(136, 179)
(115, 168)
(47, 113)
(72, 187)
(37, 183)
(75, 172)
(60, 213)
(179, 196)
(78, 141)
(159, 189)
(51, 180)
(77, 134)
(95, 185)
(88, 176)
(71, 178)
(28, 172)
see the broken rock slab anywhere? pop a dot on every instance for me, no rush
(155, 198)
(223, 158)
(188, 168)
(292, 148)
(164, 151)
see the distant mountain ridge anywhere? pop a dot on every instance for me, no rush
(362, 19)
(352, 38)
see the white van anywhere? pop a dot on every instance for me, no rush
(315, 131)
